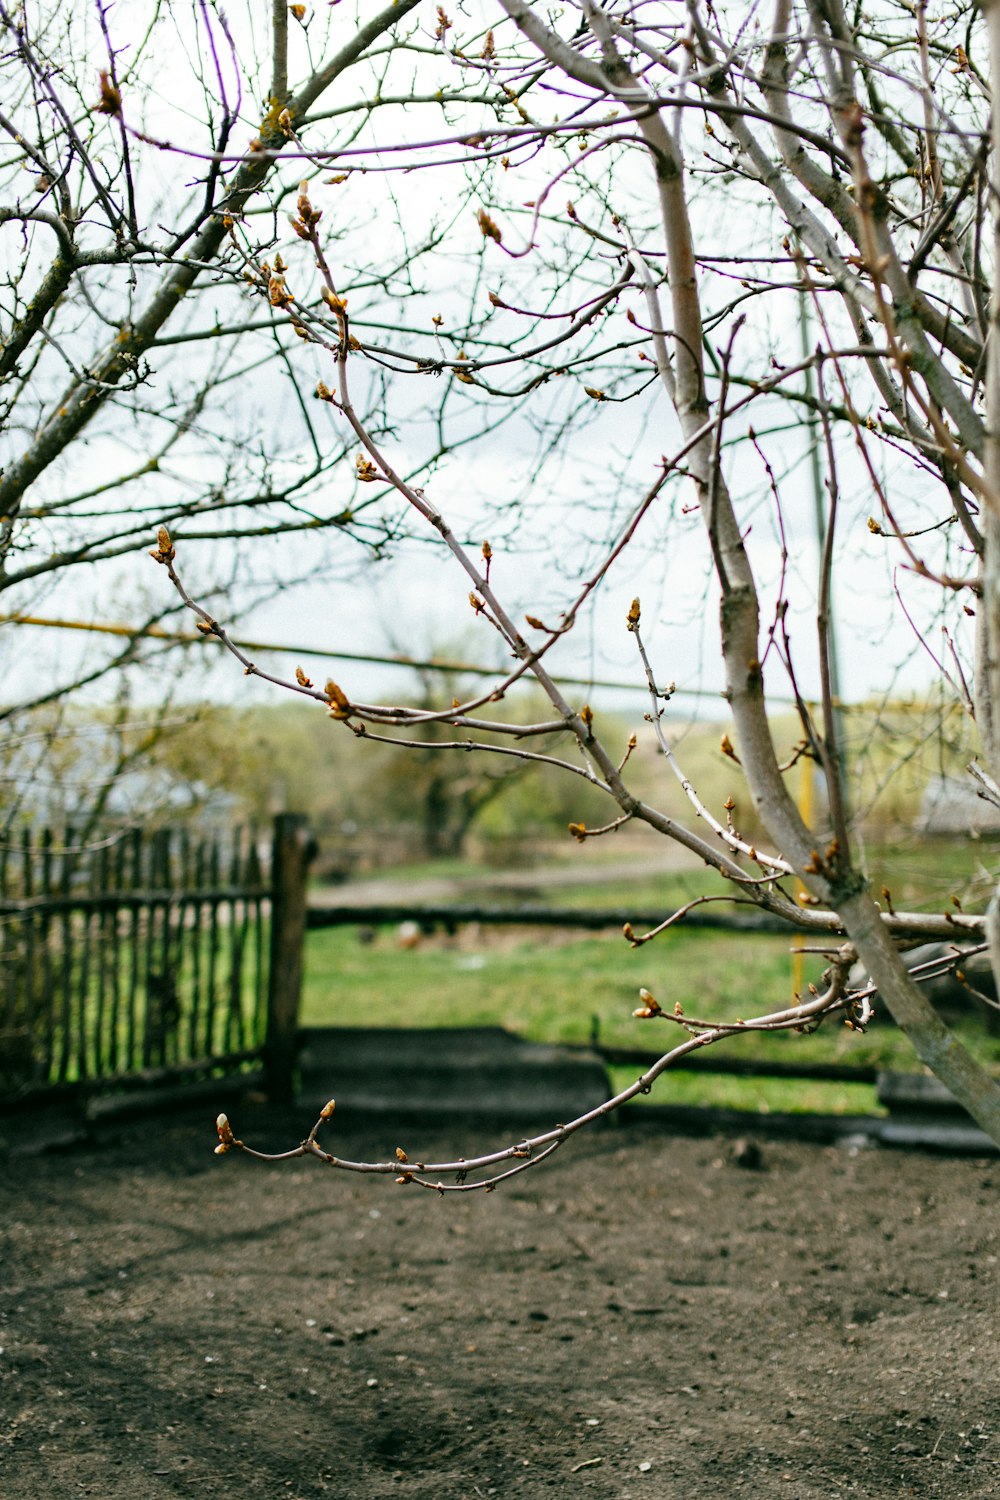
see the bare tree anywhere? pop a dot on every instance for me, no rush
(623, 211)
(147, 361)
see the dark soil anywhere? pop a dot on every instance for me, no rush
(641, 1317)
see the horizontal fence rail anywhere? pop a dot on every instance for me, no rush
(142, 954)
(592, 919)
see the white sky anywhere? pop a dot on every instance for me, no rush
(417, 601)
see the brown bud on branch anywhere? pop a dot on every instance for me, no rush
(488, 228)
(165, 552)
(110, 102)
(648, 1008)
(340, 705)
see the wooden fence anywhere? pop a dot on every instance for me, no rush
(148, 956)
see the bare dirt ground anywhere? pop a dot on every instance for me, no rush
(641, 1317)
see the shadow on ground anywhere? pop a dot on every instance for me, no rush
(641, 1317)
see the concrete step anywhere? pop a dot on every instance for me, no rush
(482, 1072)
(916, 1094)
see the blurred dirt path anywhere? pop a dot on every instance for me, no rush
(536, 882)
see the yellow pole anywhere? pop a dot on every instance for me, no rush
(806, 775)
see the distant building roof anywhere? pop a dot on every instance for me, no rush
(952, 804)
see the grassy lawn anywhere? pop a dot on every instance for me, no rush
(758, 1095)
(552, 985)
(561, 986)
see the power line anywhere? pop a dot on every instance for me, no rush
(429, 664)
(186, 638)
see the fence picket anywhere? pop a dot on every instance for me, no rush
(64, 983)
(47, 975)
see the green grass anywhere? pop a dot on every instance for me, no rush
(757, 1095)
(548, 985)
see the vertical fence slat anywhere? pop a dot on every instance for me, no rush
(291, 854)
(114, 930)
(64, 985)
(234, 1018)
(102, 879)
(84, 931)
(199, 1003)
(28, 988)
(186, 929)
(254, 879)
(8, 1013)
(132, 1059)
(214, 1041)
(47, 977)
(151, 926)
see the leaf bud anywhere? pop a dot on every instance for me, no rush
(488, 227)
(110, 102)
(337, 697)
(647, 999)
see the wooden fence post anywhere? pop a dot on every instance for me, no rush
(291, 853)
